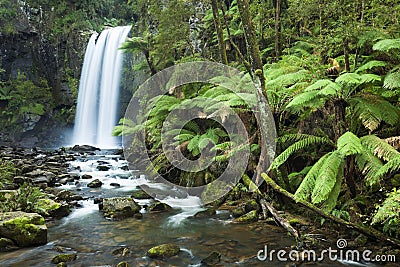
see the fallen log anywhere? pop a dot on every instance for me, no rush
(370, 232)
(282, 221)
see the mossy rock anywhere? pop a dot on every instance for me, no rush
(251, 216)
(206, 213)
(25, 229)
(96, 183)
(120, 207)
(141, 194)
(251, 205)
(215, 191)
(49, 207)
(64, 258)
(163, 251)
(237, 212)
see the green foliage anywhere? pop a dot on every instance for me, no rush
(387, 44)
(388, 214)
(26, 199)
(7, 172)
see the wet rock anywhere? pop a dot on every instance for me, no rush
(103, 168)
(40, 176)
(238, 211)
(87, 176)
(64, 258)
(119, 207)
(95, 183)
(159, 206)
(205, 213)
(163, 251)
(212, 259)
(141, 194)
(25, 229)
(84, 148)
(62, 264)
(98, 200)
(251, 216)
(115, 184)
(7, 245)
(68, 196)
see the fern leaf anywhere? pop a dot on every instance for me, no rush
(327, 177)
(394, 141)
(297, 146)
(391, 166)
(307, 185)
(392, 81)
(349, 79)
(318, 85)
(349, 144)
(369, 166)
(371, 65)
(330, 203)
(387, 45)
(379, 147)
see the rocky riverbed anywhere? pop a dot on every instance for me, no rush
(93, 212)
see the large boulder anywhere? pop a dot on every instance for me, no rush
(84, 148)
(25, 229)
(158, 207)
(251, 216)
(39, 176)
(119, 207)
(163, 251)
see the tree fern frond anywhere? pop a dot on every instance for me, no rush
(349, 79)
(327, 178)
(307, 185)
(319, 84)
(299, 145)
(370, 78)
(192, 126)
(391, 166)
(392, 80)
(369, 166)
(349, 144)
(379, 147)
(372, 110)
(370, 65)
(330, 203)
(387, 45)
(300, 100)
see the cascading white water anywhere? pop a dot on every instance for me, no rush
(96, 113)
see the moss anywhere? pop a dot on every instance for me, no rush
(163, 251)
(64, 258)
(251, 216)
(123, 264)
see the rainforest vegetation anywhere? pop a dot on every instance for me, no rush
(330, 71)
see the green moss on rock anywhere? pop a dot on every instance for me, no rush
(251, 216)
(163, 251)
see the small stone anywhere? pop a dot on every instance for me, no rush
(6, 244)
(123, 251)
(205, 213)
(123, 264)
(163, 251)
(64, 258)
(95, 184)
(62, 264)
(115, 184)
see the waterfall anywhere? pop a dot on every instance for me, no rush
(96, 112)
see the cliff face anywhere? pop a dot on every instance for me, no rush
(30, 49)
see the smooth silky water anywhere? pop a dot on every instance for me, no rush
(86, 232)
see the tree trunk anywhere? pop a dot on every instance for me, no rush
(277, 29)
(346, 54)
(220, 34)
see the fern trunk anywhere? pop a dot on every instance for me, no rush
(220, 34)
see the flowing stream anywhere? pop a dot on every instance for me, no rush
(94, 237)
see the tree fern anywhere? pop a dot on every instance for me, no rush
(369, 165)
(349, 144)
(379, 147)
